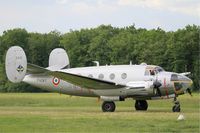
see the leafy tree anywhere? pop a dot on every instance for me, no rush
(176, 51)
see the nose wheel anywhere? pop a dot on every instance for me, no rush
(177, 106)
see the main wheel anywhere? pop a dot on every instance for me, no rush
(108, 106)
(141, 105)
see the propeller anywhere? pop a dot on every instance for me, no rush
(157, 86)
(188, 90)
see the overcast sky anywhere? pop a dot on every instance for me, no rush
(47, 15)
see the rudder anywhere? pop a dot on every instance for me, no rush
(16, 64)
(58, 58)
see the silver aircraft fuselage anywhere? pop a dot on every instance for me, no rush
(128, 75)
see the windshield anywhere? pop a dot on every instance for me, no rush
(176, 77)
(183, 78)
(159, 69)
(152, 70)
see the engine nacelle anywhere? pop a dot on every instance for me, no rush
(142, 88)
(140, 84)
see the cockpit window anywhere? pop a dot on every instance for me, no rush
(159, 69)
(183, 78)
(153, 70)
(174, 77)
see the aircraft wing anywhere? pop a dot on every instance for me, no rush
(85, 82)
(82, 81)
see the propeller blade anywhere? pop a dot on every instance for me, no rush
(189, 91)
(157, 86)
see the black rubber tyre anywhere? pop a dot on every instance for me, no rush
(176, 108)
(141, 105)
(108, 106)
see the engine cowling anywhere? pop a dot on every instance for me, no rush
(142, 88)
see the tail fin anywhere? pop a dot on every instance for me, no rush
(16, 64)
(58, 59)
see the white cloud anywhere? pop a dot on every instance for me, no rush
(75, 14)
(180, 6)
(142, 3)
(91, 8)
(61, 1)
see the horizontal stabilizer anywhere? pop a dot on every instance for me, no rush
(35, 69)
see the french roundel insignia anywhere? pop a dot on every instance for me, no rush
(56, 81)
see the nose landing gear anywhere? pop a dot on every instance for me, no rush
(177, 106)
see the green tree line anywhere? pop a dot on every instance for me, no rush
(176, 51)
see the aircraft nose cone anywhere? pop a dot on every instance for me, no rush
(188, 81)
(191, 83)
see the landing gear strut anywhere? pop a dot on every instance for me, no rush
(177, 106)
(141, 105)
(108, 106)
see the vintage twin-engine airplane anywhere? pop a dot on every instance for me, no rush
(109, 83)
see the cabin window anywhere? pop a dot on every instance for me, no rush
(112, 76)
(101, 76)
(90, 75)
(124, 76)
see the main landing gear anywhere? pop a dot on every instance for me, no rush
(141, 105)
(109, 106)
(177, 106)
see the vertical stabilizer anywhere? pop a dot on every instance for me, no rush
(16, 64)
(58, 59)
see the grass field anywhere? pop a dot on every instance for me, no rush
(51, 112)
